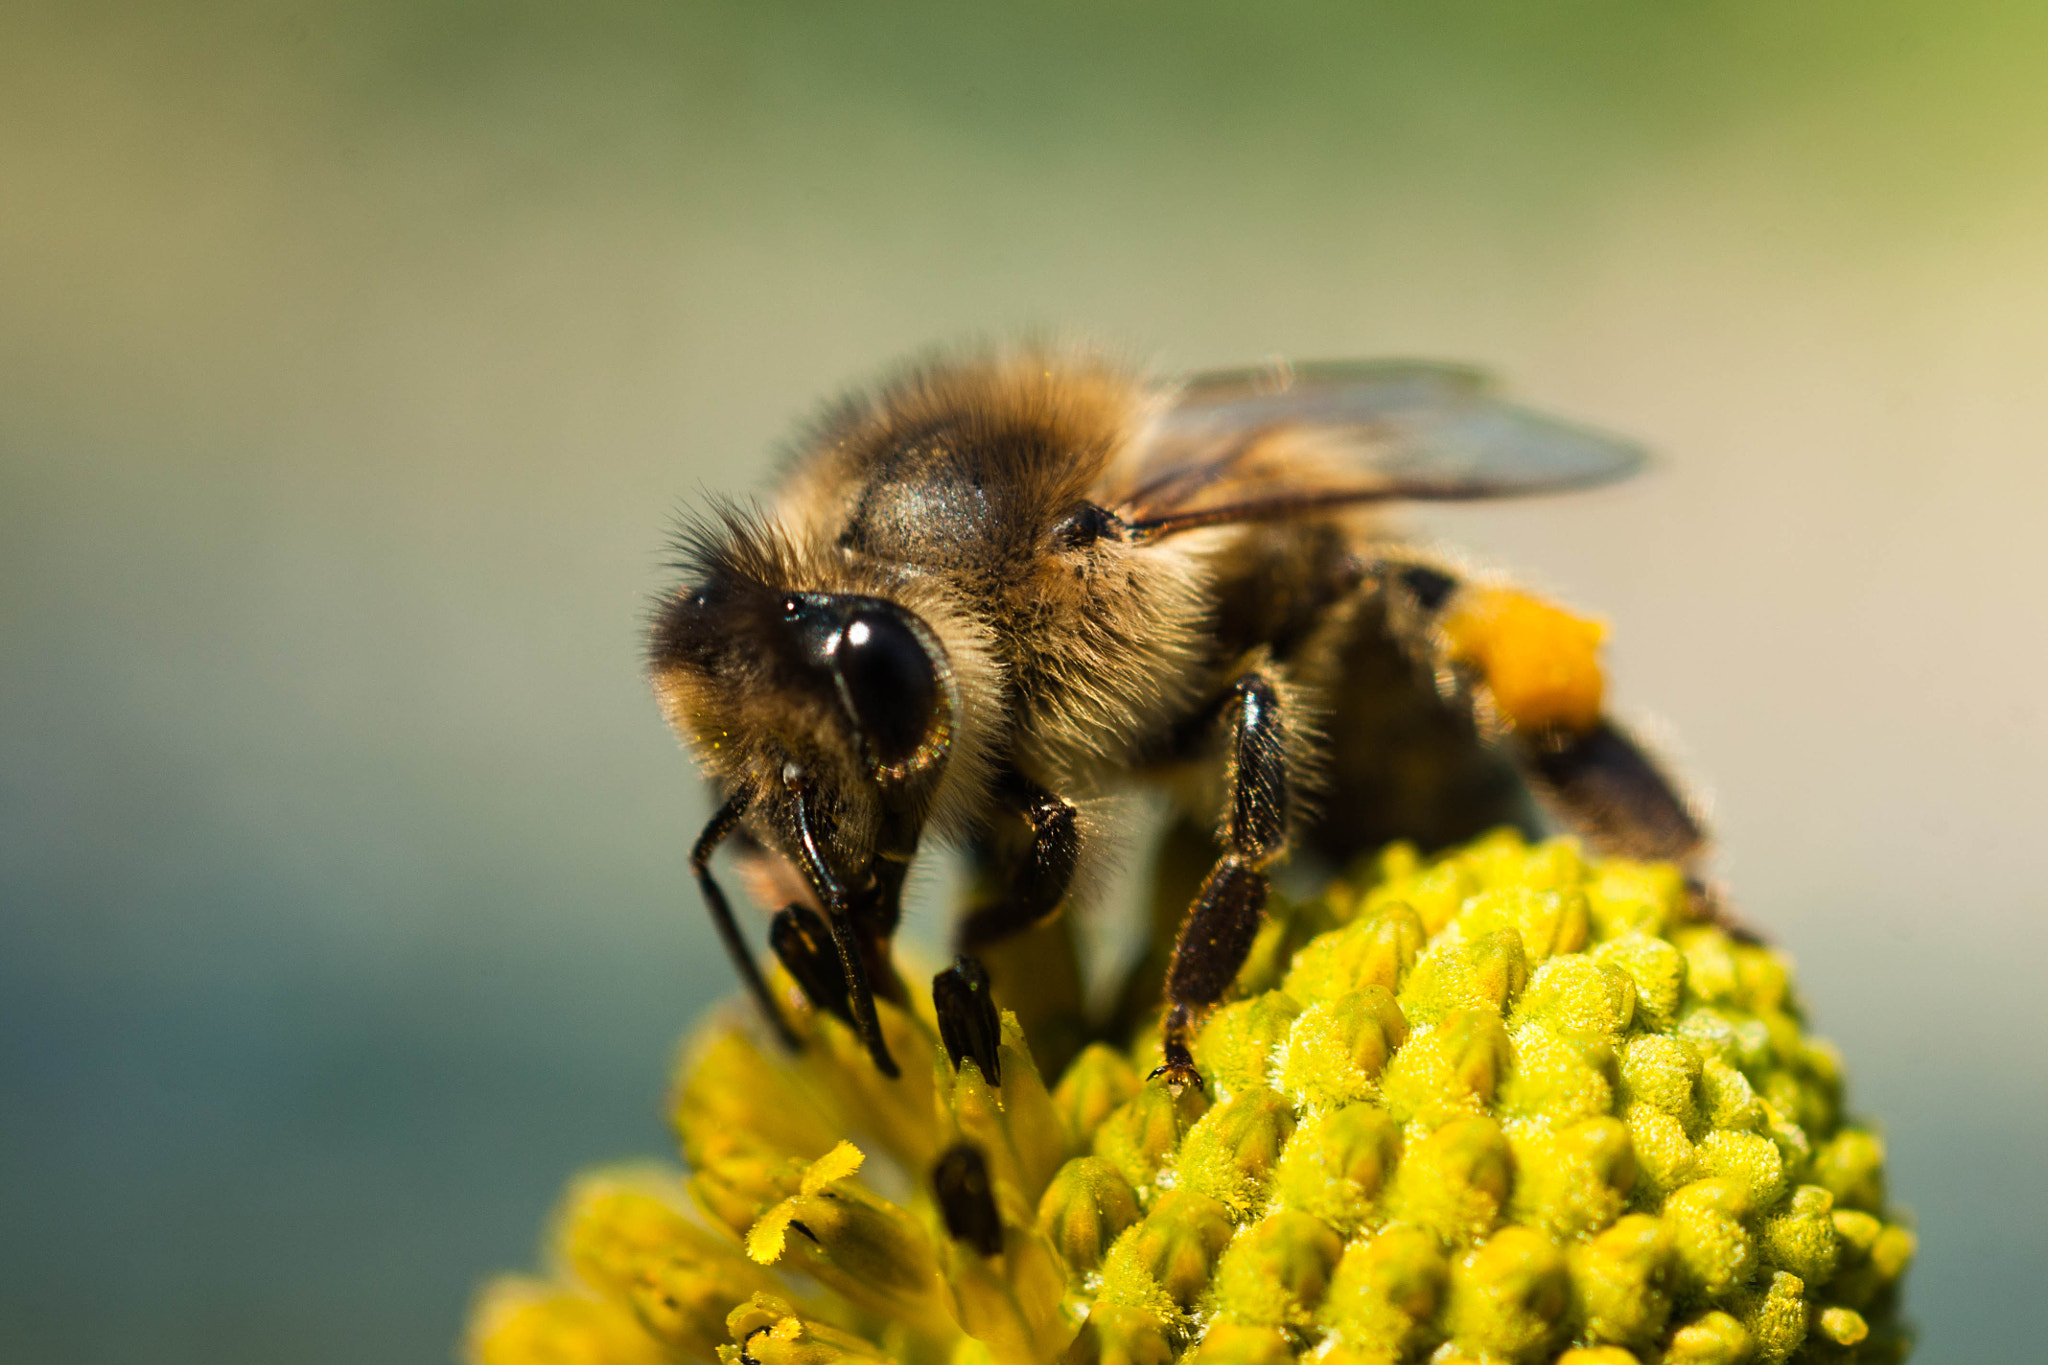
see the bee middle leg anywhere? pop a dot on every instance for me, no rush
(1225, 918)
(1024, 868)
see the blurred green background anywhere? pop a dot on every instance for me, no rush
(354, 358)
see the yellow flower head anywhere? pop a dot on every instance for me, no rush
(1505, 1105)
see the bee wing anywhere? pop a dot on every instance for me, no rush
(1258, 445)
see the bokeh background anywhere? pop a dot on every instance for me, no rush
(355, 357)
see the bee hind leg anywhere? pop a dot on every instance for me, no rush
(1225, 918)
(1608, 790)
(1605, 788)
(1542, 684)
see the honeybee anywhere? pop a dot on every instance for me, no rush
(1000, 587)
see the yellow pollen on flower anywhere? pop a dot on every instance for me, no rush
(837, 1164)
(1507, 1104)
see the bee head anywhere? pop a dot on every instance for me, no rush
(848, 695)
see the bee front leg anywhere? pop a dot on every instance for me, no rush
(808, 950)
(722, 825)
(1225, 917)
(1040, 879)
(846, 938)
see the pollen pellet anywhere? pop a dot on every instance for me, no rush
(1542, 662)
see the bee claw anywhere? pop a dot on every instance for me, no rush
(1178, 1070)
(1178, 1076)
(1708, 902)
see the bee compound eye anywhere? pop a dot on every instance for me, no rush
(889, 683)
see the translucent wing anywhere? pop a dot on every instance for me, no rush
(1255, 445)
